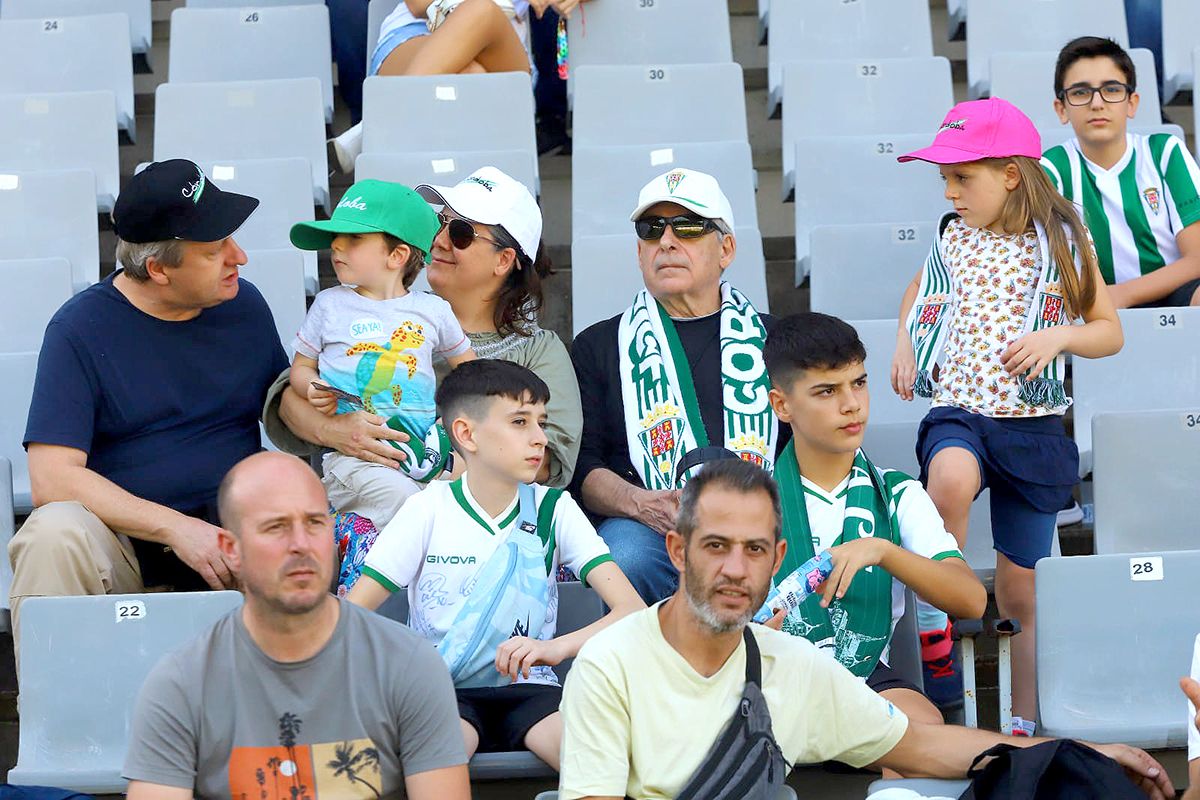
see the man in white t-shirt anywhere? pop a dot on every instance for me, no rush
(647, 698)
(1139, 192)
(443, 544)
(1191, 687)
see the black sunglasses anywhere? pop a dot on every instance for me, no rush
(685, 226)
(462, 233)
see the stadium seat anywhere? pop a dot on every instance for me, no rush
(605, 180)
(1143, 480)
(70, 54)
(446, 167)
(63, 131)
(51, 214)
(18, 370)
(856, 180)
(834, 29)
(1044, 26)
(92, 654)
(7, 528)
(657, 32)
(1159, 367)
(34, 288)
(605, 274)
(244, 120)
(284, 42)
(138, 12)
(879, 338)
(1180, 21)
(956, 20)
(764, 20)
(282, 186)
(279, 276)
(622, 105)
(1026, 80)
(1115, 678)
(860, 98)
(377, 12)
(473, 112)
(861, 271)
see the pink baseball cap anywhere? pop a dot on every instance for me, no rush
(991, 128)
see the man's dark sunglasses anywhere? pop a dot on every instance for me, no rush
(685, 226)
(462, 233)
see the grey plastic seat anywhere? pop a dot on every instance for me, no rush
(1143, 479)
(34, 288)
(622, 105)
(829, 174)
(283, 187)
(285, 42)
(835, 29)
(1159, 367)
(605, 275)
(862, 98)
(70, 54)
(879, 338)
(1044, 26)
(19, 370)
(63, 130)
(1180, 20)
(473, 112)
(1025, 80)
(137, 11)
(620, 32)
(924, 787)
(94, 653)
(861, 271)
(1108, 624)
(279, 276)
(446, 167)
(605, 180)
(7, 528)
(51, 214)
(244, 120)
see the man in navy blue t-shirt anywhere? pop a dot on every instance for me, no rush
(149, 388)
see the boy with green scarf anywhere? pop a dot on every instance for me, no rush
(882, 528)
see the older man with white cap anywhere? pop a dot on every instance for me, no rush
(675, 380)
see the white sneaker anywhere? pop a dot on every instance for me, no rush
(1070, 515)
(347, 147)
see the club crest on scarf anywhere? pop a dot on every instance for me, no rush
(931, 313)
(662, 437)
(752, 448)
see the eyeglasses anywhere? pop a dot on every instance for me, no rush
(462, 233)
(1081, 94)
(685, 226)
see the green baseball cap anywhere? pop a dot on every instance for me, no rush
(374, 207)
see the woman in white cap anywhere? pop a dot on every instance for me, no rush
(488, 262)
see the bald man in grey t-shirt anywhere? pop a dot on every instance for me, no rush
(297, 694)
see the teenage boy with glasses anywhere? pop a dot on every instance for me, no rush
(1138, 192)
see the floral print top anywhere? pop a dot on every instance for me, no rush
(994, 278)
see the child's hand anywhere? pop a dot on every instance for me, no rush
(322, 400)
(848, 559)
(1034, 351)
(904, 367)
(516, 656)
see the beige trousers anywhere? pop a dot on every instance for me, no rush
(64, 549)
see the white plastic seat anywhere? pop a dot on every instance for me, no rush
(861, 271)
(446, 167)
(52, 213)
(19, 370)
(63, 131)
(137, 11)
(244, 120)
(1180, 21)
(279, 277)
(834, 29)
(605, 180)
(605, 275)
(285, 42)
(34, 288)
(656, 104)
(1045, 25)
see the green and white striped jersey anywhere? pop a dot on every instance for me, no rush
(1136, 209)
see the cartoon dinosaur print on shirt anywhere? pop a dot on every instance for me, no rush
(378, 365)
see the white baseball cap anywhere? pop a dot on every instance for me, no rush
(490, 197)
(695, 191)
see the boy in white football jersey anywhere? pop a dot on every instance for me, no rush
(1138, 192)
(479, 557)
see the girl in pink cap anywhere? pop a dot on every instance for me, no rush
(985, 326)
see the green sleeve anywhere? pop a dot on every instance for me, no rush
(1181, 176)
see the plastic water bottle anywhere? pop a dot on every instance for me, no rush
(795, 588)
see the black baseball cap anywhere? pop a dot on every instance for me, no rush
(176, 200)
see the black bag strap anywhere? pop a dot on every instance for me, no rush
(991, 752)
(701, 455)
(753, 658)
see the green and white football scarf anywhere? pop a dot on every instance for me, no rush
(928, 322)
(662, 414)
(859, 626)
